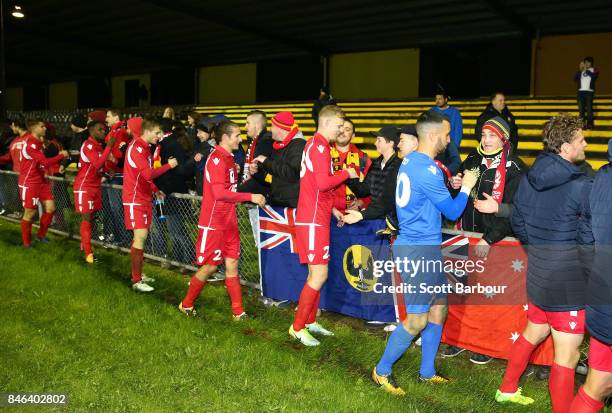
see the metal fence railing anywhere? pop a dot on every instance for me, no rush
(171, 239)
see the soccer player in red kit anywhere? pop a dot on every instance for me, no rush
(87, 185)
(313, 218)
(138, 189)
(218, 236)
(19, 128)
(33, 186)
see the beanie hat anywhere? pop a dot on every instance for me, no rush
(135, 126)
(79, 120)
(499, 127)
(98, 116)
(284, 120)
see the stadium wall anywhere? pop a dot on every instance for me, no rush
(228, 84)
(63, 95)
(118, 87)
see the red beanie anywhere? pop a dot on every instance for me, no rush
(283, 120)
(135, 126)
(98, 116)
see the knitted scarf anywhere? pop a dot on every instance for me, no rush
(280, 145)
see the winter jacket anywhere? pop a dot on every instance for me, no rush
(493, 227)
(284, 166)
(551, 216)
(175, 180)
(374, 182)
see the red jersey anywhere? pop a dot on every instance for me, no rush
(120, 133)
(91, 160)
(219, 196)
(138, 175)
(34, 162)
(15, 151)
(317, 183)
(359, 161)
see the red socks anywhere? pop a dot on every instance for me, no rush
(195, 287)
(137, 256)
(561, 387)
(308, 298)
(86, 237)
(45, 222)
(517, 363)
(235, 293)
(26, 232)
(583, 403)
(312, 317)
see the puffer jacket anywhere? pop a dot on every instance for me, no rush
(551, 216)
(599, 289)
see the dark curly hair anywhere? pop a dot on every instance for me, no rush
(560, 129)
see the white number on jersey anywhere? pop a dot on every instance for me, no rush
(402, 191)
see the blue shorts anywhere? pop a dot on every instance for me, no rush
(424, 280)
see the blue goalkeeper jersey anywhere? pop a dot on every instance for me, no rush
(420, 197)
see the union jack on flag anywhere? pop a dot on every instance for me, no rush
(276, 227)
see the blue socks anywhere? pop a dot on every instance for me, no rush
(398, 343)
(430, 342)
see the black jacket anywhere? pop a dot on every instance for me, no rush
(284, 166)
(257, 184)
(320, 104)
(493, 227)
(489, 113)
(205, 149)
(175, 180)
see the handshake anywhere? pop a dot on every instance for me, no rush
(467, 181)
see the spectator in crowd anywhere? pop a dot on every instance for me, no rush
(114, 228)
(499, 173)
(193, 118)
(78, 125)
(383, 206)
(177, 144)
(586, 77)
(168, 113)
(453, 115)
(344, 155)
(6, 136)
(592, 395)
(285, 162)
(204, 148)
(551, 216)
(497, 108)
(387, 164)
(259, 142)
(325, 98)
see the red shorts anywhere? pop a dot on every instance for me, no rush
(600, 355)
(565, 321)
(312, 244)
(214, 245)
(32, 193)
(87, 201)
(137, 216)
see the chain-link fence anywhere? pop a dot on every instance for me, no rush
(172, 234)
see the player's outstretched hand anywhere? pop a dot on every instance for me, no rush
(173, 162)
(352, 173)
(258, 199)
(65, 153)
(469, 179)
(488, 205)
(352, 217)
(456, 181)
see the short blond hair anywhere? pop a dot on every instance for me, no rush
(331, 111)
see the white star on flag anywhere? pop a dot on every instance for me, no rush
(517, 265)
(525, 307)
(515, 335)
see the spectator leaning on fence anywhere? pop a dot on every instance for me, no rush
(551, 216)
(284, 164)
(138, 189)
(499, 173)
(453, 115)
(497, 108)
(33, 185)
(344, 155)
(383, 206)
(18, 126)
(87, 184)
(259, 142)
